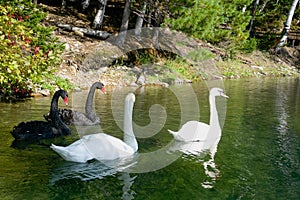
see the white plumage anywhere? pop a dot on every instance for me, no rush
(102, 146)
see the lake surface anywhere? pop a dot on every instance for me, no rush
(258, 156)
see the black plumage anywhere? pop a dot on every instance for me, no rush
(88, 118)
(37, 130)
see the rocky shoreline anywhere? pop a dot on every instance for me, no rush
(257, 64)
(79, 47)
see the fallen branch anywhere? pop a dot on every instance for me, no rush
(89, 32)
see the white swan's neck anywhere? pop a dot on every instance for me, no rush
(214, 118)
(129, 137)
(214, 125)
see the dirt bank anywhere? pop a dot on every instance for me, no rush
(79, 46)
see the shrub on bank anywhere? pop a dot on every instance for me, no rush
(29, 53)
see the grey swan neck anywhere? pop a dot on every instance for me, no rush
(89, 100)
(129, 137)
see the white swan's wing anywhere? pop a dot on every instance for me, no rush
(191, 131)
(98, 146)
(76, 152)
(202, 131)
(106, 147)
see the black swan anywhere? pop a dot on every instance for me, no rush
(38, 130)
(88, 118)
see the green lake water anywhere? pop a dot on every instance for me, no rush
(258, 156)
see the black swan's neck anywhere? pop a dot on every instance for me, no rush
(54, 105)
(90, 99)
(54, 114)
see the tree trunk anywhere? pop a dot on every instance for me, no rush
(100, 14)
(64, 4)
(263, 6)
(139, 21)
(89, 32)
(85, 4)
(125, 21)
(287, 25)
(126, 14)
(255, 4)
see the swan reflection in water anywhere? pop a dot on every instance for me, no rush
(95, 170)
(197, 138)
(195, 150)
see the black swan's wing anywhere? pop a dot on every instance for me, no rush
(66, 115)
(73, 117)
(88, 118)
(37, 130)
(82, 119)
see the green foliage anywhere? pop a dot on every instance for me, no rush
(183, 68)
(272, 14)
(214, 21)
(29, 53)
(248, 45)
(266, 41)
(199, 55)
(199, 19)
(269, 21)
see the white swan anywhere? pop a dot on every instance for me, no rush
(195, 137)
(191, 131)
(194, 131)
(101, 146)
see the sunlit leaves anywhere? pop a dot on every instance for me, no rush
(213, 21)
(28, 51)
